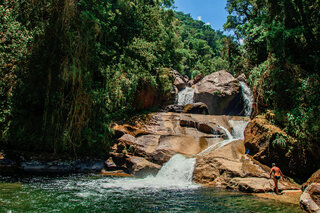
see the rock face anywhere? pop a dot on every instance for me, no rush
(196, 79)
(315, 178)
(229, 167)
(196, 108)
(164, 135)
(220, 91)
(180, 81)
(310, 199)
(267, 143)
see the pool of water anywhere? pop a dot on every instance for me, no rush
(96, 193)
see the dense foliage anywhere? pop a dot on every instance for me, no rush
(202, 47)
(70, 68)
(281, 56)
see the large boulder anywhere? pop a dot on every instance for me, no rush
(142, 167)
(180, 81)
(315, 178)
(196, 108)
(229, 167)
(196, 79)
(268, 144)
(174, 108)
(166, 134)
(220, 91)
(310, 199)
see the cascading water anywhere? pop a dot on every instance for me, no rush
(185, 96)
(247, 98)
(219, 144)
(238, 128)
(237, 133)
(176, 173)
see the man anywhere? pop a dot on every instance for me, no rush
(276, 177)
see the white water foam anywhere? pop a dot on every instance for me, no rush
(227, 132)
(238, 128)
(185, 96)
(175, 174)
(219, 144)
(247, 98)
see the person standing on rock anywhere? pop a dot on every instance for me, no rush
(276, 177)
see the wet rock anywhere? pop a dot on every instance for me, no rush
(220, 91)
(268, 144)
(196, 108)
(168, 134)
(229, 167)
(258, 185)
(142, 167)
(310, 198)
(174, 108)
(110, 164)
(315, 178)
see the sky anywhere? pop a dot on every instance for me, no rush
(211, 12)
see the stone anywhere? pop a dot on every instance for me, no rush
(196, 108)
(310, 198)
(315, 178)
(229, 167)
(174, 108)
(261, 143)
(258, 185)
(167, 134)
(143, 167)
(220, 91)
(180, 81)
(242, 77)
(196, 79)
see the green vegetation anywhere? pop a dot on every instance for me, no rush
(202, 46)
(281, 57)
(70, 68)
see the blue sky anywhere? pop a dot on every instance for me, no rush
(212, 12)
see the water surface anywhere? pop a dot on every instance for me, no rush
(95, 193)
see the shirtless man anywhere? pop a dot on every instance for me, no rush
(277, 175)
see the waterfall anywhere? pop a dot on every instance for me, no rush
(185, 96)
(227, 132)
(238, 128)
(178, 169)
(174, 174)
(247, 98)
(219, 144)
(237, 133)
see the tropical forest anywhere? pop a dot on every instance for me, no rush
(136, 106)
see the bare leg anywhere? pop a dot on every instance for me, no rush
(275, 189)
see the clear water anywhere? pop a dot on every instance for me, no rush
(95, 193)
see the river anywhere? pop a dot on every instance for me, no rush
(96, 193)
